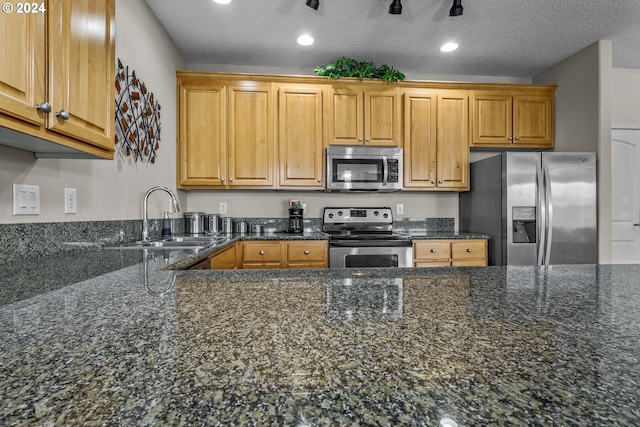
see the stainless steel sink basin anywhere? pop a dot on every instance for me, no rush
(177, 242)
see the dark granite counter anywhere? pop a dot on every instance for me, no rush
(127, 342)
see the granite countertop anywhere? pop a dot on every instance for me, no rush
(127, 342)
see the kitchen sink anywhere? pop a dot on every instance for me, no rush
(177, 242)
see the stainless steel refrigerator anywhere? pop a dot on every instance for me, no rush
(538, 208)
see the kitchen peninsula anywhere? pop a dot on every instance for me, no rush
(138, 344)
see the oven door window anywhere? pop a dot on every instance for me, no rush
(358, 170)
(370, 260)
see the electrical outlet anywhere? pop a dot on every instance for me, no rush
(399, 209)
(70, 201)
(26, 199)
(222, 208)
(304, 209)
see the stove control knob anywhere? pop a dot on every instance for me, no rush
(385, 216)
(330, 215)
(339, 213)
(376, 213)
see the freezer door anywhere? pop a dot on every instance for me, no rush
(520, 190)
(570, 180)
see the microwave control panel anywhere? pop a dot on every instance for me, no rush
(393, 174)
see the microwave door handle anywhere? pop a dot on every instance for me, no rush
(385, 171)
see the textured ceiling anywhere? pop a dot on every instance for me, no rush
(515, 38)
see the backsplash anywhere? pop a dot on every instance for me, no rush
(37, 240)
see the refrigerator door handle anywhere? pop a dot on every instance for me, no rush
(540, 213)
(549, 219)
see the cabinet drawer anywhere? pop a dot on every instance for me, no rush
(432, 250)
(261, 252)
(432, 264)
(469, 249)
(306, 251)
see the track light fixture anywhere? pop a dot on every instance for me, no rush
(456, 9)
(395, 8)
(313, 4)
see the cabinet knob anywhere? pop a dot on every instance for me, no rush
(440, 182)
(510, 138)
(368, 139)
(306, 252)
(469, 250)
(517, 138)
(230, 179)
(261, 252)
(221, 179)
(433, 251)
(45, 107)
(433, 182)
(319, 180)
(63, 114)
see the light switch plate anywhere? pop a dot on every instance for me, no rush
(222, 207)
(26, 199)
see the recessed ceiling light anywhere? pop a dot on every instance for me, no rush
(449, 47)
(222, 1)
(305, 40)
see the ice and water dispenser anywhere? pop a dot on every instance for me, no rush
(524, 224)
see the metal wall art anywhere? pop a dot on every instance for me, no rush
(137, 117)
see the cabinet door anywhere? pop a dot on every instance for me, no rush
(300, 136)
(224, 259)
(80, 39)
(22, 65)
(345, 116)
(202, 154)
(453, 140)
(491, 118)
(420, 162)
(251, 136)
(533, 121)
(382, 124)
(307, 254)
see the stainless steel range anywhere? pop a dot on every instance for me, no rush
(364, 237)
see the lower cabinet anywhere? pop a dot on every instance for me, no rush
(284, 254)
(268, 254)
(445, 253)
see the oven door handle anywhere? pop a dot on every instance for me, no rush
(369, 244)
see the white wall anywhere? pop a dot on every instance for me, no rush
(108, 190)
(625, 96)
(583, 120)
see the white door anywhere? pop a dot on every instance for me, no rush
(625, 195)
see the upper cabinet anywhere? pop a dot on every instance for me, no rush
(300, 136)
(513, 117)
(226, 133)
(362, 116)
(57, 85)
(436, 149)
(271, 132)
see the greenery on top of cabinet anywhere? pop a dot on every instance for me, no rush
(348, 67)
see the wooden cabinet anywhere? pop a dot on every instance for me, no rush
(512, 118)
(360, 116)
(436, 151)
(67, 70)
(226, 133)
(307, 254)
(225, 259)
(262, 254)
(202, 147)
(301, 136)
(444, 253)
(284, 254)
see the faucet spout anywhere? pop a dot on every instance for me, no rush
(145, 208)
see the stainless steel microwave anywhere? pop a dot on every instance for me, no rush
(360, 168)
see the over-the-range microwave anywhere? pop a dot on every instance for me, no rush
(364, 168)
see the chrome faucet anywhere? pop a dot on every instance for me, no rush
(145, 205)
